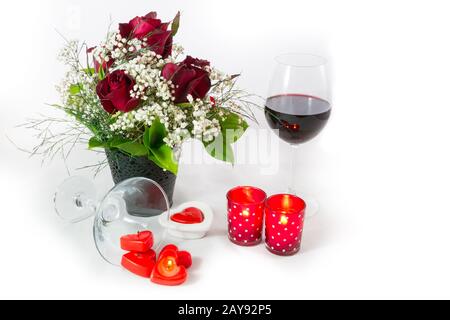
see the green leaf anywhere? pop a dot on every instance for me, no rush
(95, 143)
(134, 149)
(163, 157)
(154, 136)
(75, 89)
(147, 138)
(233, 128)
(233, 125)
(184, 105)
(101, 73)
(89, 71)
(220, 149)
(152, 158)
(117, 141)
(159, 152)
(176, 24)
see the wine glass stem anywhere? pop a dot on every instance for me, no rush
(81, 201)
(293, 172)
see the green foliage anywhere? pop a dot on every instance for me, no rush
(101, 73)
(75, 89)
(115, 142)
(163, 157)
(159, 151)
(184, 105)
(134, 149)
(234, 125)
(89, 71)
(154, 136)
(95, 143)
(152, 146)
(220, 149)
(233, 128)
(176, 24)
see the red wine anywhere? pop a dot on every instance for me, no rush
(299, 118)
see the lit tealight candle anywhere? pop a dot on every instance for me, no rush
(284, 224)
(246, 215)
(284, 220)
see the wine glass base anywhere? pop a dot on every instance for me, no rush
(74, 199)
(312, 205)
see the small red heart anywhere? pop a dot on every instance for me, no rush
(184, 259)
(189, 216)
(140, 242)
(141, 264)
(168, 272)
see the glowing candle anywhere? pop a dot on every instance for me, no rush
(284, 224)
(246, 215)
(169, 270)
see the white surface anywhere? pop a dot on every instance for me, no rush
(380, 169)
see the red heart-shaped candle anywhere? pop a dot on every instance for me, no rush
(184, 258)
(140, 242)
(189, 216)
(167, 271)
(141, 264)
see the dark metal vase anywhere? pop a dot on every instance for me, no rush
(124, 167)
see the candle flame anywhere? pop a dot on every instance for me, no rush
(286, 202)
(284, 220)
(170, 264)
(246, 213)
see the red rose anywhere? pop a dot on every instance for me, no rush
(159, 39)
(114, 92)
(189, 78)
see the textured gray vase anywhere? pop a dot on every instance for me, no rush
(124, 167)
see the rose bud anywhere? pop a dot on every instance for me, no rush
(189, 78)
(159, 39)
(114, 92)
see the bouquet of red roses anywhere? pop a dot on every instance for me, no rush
(137, 93)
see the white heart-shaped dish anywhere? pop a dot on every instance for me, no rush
(189, 231)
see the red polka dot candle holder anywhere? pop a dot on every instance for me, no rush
(284, 215)
(246, 215)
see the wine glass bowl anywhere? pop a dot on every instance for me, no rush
(297, 118)
(298, 105)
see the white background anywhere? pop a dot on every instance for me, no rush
(380, 169)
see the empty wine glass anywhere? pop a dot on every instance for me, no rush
(133, 206)
(298, 107)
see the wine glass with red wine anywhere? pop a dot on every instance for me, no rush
(298, 107)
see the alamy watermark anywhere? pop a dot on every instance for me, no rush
(257, 147)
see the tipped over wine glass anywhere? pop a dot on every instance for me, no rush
(298, 108)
